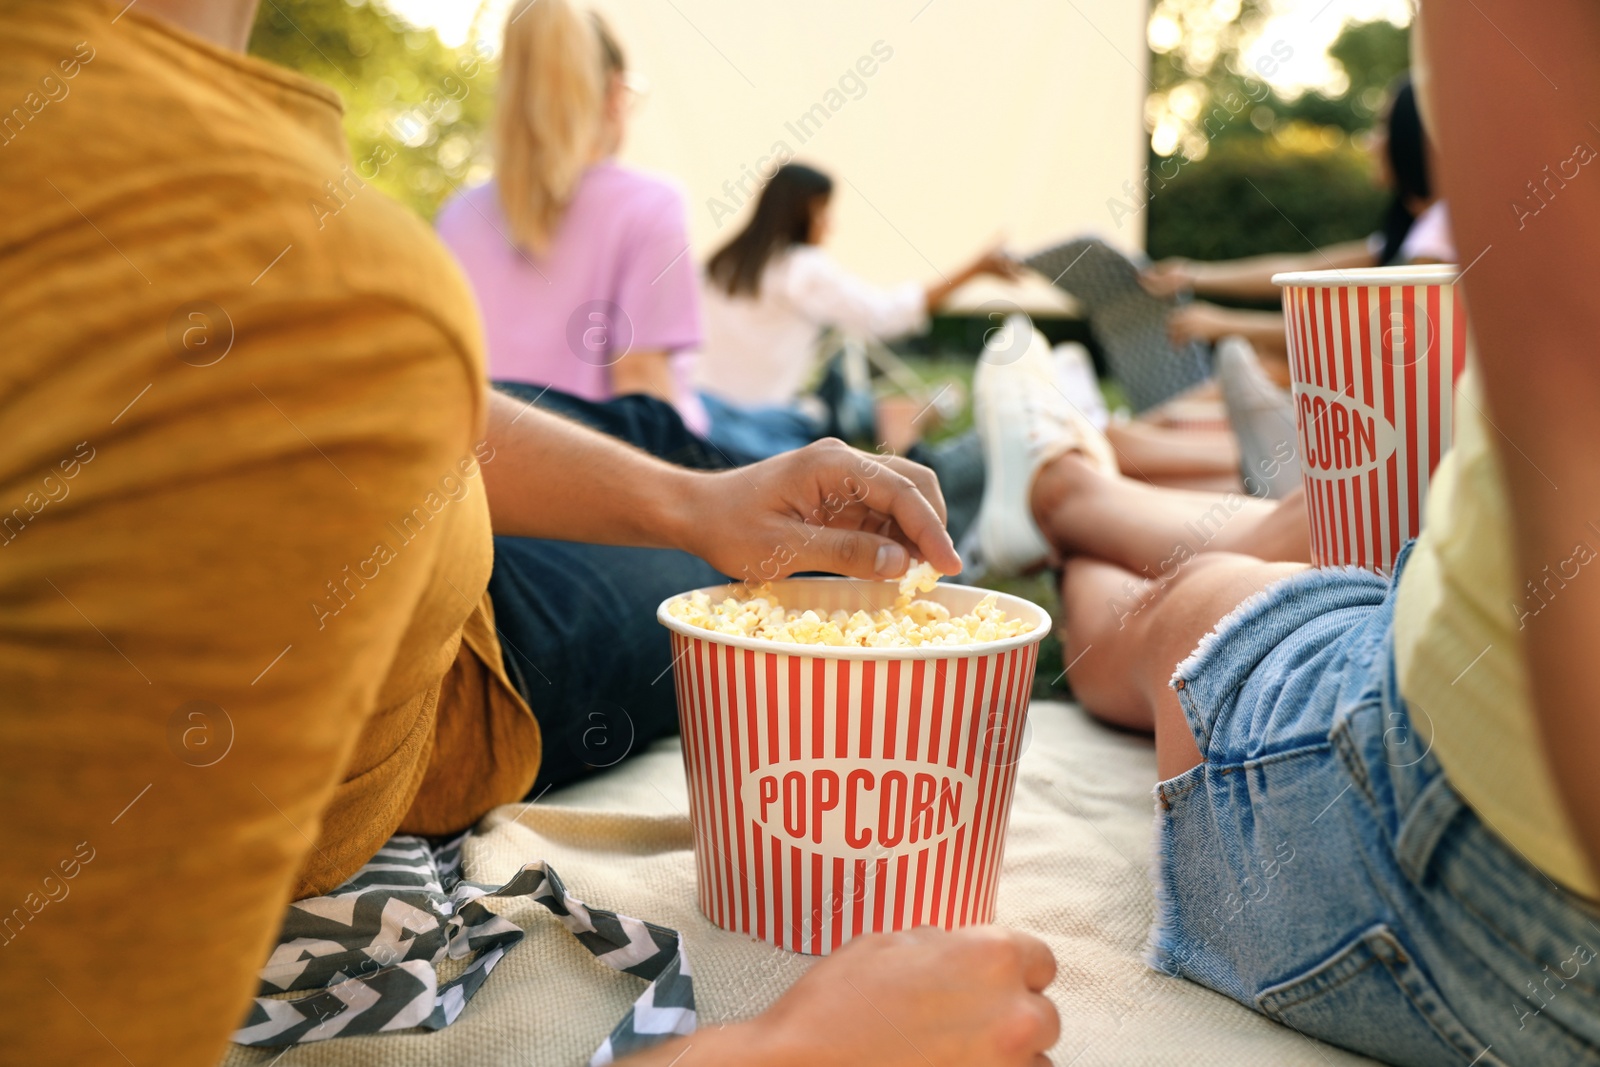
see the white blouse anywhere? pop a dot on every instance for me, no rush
(760, 350)
(1430, 238)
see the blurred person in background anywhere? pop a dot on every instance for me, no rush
(579, 263)
(1250, 357)
(770, 294)
(1415, 229)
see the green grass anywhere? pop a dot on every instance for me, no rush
(1049, 680)
(936, 370)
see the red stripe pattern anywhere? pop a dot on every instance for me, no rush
(832, 798)
(1374, 370)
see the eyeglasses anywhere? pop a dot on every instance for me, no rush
(637, 87)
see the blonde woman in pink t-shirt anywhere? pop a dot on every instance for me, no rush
(578, 262)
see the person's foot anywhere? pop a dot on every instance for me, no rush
(1262, 416)
(1024, 420)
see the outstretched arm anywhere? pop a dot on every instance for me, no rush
(1202, 321)
(1507, 116)
(1250, 278)
(824, 507)
(992, 261)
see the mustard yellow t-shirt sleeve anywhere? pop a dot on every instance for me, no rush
(178, 713)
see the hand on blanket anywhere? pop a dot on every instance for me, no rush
(925, 998)
(825, 507)
(973, 998)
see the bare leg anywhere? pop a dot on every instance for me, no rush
(1150, 530)
(1162, 456)
(1149, 573)
(1198, 483)
(1275, 361)
(1124, 635)
(1283, 534)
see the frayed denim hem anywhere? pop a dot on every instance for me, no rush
(1259, 604)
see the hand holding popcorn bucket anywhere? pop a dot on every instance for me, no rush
(837, 790)
(1374, 354)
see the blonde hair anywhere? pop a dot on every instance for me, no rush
(554, 75)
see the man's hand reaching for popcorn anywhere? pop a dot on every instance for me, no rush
(826, 507)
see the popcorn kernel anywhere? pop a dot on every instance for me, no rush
(909, 624)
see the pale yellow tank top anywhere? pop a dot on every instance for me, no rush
(1458, 647)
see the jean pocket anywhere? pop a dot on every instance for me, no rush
(1371, 997)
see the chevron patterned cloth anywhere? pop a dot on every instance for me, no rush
(1129, 324)
(371, 949)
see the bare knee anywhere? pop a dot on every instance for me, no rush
(1123, 636)
(1191, 606)
(1206, 589)
(1100, 603)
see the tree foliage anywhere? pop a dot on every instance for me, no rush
(412, 102)
(1237, 167)
(1255, 170)
(1371, 55)
(1259, 194)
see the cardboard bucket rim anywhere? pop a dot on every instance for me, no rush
(1015, 606)
(1352, 277)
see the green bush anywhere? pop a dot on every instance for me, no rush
(1252, 195)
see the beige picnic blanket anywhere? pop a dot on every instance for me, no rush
(1075, 874)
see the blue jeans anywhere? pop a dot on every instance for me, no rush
(1319, 868)
(577, 622)
(641, 420)
(759, 432)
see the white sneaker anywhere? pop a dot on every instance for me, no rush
(1024, 420)
(1074, 371)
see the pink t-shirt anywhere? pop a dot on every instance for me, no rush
(618, 277)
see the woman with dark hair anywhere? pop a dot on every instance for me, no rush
(1403, 157)
(1415, 230)
(785, 215)
(769, 294)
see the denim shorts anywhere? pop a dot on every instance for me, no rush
(1319, 868)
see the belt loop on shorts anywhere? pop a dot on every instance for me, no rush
(1424, 824)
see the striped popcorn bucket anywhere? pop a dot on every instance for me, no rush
(1374, 354)
(842, 791)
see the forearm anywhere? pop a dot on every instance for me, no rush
(938, 292)
(1251, 278)
(648, 372)
(1257, 327)
(1535, 323)
(1264, 330)
(554, 478)
(1204, 321)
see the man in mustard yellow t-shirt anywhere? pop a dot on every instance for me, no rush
(249, 474)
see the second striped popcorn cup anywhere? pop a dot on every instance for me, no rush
(839, 790)
(1374, 354)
